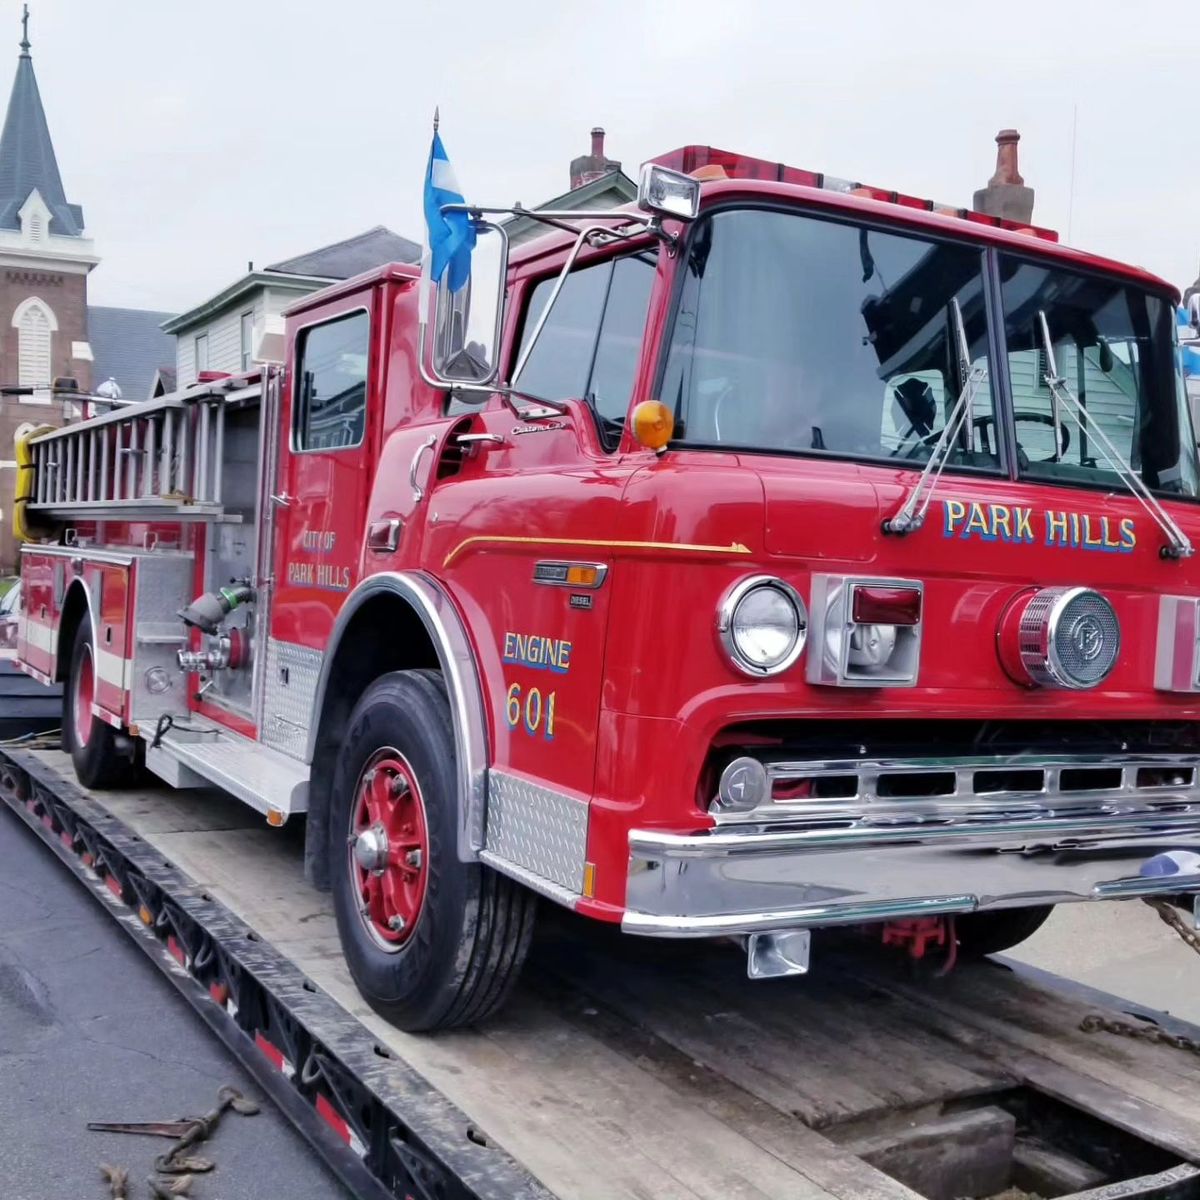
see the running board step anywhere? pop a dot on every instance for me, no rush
(207, 755)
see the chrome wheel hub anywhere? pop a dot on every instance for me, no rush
(371, 848)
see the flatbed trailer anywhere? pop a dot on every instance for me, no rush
(626, 1069)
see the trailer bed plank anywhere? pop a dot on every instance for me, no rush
(1047, 1023)
(816, 1048)
(1149, 1090)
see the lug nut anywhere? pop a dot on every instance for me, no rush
(413, 858)
(399, 786)
(396, 923)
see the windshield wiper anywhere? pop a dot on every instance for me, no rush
(911, 514)
(1179, 545)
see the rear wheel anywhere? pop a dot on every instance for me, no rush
(432, 942)
(99, 759)
(992, 932)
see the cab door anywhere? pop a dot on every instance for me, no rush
(327, 431)
(525, 529)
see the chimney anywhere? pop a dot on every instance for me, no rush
(592, 166)
(1006, 195)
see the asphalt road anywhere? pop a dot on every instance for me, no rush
(89, 1030)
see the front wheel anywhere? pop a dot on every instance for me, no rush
(993, 932)
(432, 942)
(92, 744)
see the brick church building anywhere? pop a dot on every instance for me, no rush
(48, 333)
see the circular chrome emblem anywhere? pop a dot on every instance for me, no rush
(1087, 637)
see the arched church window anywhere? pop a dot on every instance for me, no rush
(35, 324)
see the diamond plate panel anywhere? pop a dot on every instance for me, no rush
(291, 690)
(539, 829)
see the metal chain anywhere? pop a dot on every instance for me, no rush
(1098, 1023)
(1173, 917)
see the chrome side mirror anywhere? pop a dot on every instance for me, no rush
(465, 345)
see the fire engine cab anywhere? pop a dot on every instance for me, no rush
(778, 553)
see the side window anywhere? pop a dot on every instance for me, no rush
(590, 344)
(621, 336)
(562, 359)
(331, 384)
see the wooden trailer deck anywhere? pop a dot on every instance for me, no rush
(628, 1069)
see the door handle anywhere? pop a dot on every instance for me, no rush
(283, 500)
(384, 536)
(478, 439)
(417, 489)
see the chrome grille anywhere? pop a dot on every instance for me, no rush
(921, 790)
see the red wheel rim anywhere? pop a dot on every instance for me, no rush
(82, 696)
(389, 849)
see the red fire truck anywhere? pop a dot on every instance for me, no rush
(778, 553)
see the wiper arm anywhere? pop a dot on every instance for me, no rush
(911, 514)
(1179, 545)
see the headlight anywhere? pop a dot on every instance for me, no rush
(762, 623)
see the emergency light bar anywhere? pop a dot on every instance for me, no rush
(689, 159)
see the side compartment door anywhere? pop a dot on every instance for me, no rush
(326, 437)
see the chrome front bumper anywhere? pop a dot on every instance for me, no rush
(750, 879)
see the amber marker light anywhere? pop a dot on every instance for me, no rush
(583, 575)
(653, 425)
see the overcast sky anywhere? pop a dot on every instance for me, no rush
(200, 136)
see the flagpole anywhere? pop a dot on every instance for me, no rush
(435, 118)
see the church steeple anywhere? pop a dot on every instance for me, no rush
(27, 161)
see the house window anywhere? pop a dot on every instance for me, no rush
(247, 340)
(201, 353)
(331, 391)
(35, 323)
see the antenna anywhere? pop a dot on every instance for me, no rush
(1071, 193)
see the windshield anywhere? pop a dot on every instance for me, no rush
(800, 334)
(1114, 347)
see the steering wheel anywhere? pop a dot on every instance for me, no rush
(1037, 418)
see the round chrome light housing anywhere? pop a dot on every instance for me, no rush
(744, 785)
(1065, 637)
(762, 623)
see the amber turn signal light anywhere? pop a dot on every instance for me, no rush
(652, 424)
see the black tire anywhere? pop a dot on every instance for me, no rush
(993, 932)
(100, 761)
(471, 931)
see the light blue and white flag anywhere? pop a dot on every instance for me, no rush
(1189, 349)
(451, 234)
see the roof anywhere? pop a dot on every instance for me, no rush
(206, 309)
(754, 191)
(394, 272)
(307, 272)
(342, 260)
(27, 158)
(163, 382)
(128, 345)
(578, 198)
